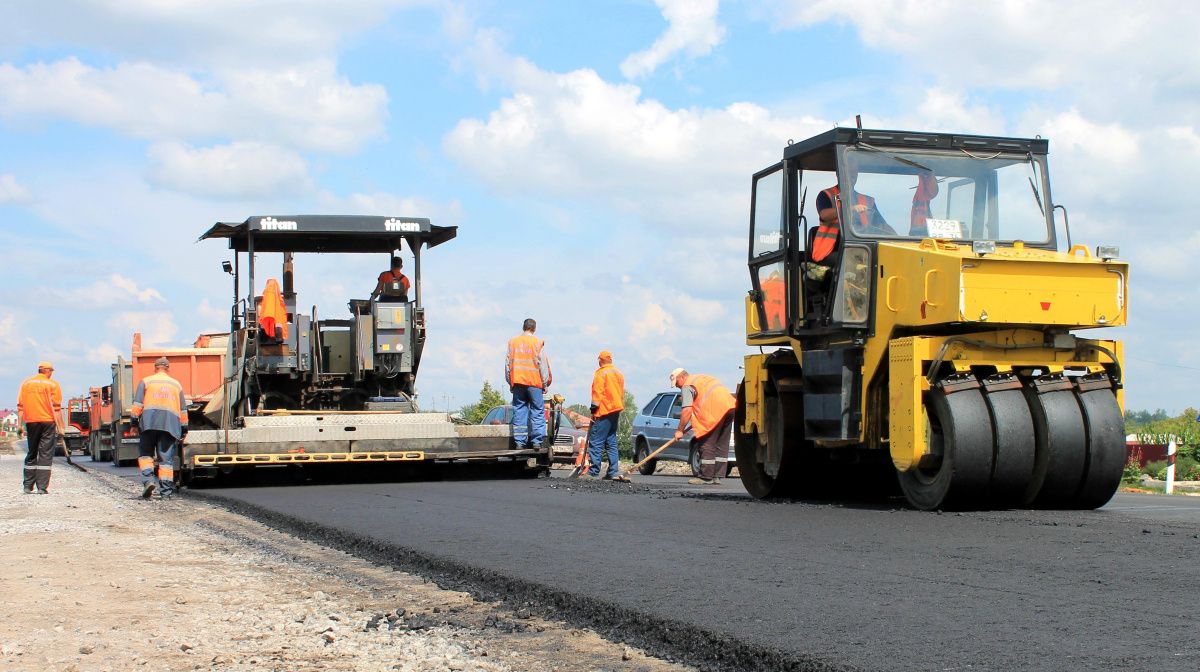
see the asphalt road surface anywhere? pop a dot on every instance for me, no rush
(796, 585)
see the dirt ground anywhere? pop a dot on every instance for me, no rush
(95, 578)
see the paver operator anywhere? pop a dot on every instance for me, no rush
(392, 285)
(608, 400)
(709, 407)
(39, 408)
(527, 372)
(160, 412)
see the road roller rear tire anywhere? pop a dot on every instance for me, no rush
(961, 430)
(1105, 448)
(1061, 449)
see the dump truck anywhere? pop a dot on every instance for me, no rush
(305, 389)
(100, 439)
(915, 312)
(77, 423)
(199, 370)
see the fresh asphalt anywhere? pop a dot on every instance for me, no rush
(792, 585)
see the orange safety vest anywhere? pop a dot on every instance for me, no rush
(160, 393)
(608, 390)
(39, 399)
(774, 300)
(711, 403)
(524, 353)
(827, 234)
(927, 190)
(272, 312)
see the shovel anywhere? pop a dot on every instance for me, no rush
(651, 456)
(60, 434)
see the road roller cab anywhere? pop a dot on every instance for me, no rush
(914, 310)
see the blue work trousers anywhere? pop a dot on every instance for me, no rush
(156, 459)
(529, 417)
(603, 440)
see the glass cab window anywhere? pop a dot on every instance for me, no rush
(769, 249)
(951, 194)
(768, 215)
(663, 406)
(676, 406)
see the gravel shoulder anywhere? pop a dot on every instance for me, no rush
(95, 578)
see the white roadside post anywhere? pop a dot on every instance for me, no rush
(1170, 467)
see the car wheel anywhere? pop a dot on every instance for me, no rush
(694, 460)
(640, 454)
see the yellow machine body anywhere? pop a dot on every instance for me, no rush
(926, 319)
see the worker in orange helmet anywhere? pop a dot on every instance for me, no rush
(527, 372)
(160, 413)
(608, 400)
(39, 408)
(708, 407)
(393, 285)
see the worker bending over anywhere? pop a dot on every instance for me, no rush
(709, 407)
(527, 372)
(39, 408)
(608, 400)
(160, 412)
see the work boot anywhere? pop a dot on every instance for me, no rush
(28, 491)
(165, 496)
(43, 491)
(147, 490)
(700, 481)
(586, 477)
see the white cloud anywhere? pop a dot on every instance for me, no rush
(1104, 51)
(116, 290)
(157, 327)
(383, 203)
(103, 354)
(11, 191)
(231, 33)
(236, 170)
(305, 105)
(11, 342)
(692, 29)
(576, 135)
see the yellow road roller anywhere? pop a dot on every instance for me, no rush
(913, 312)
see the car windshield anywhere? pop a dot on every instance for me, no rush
(952, 195)
(564, 422)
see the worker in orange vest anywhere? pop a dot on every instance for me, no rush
(160, 413)
(774, 301)
(829, 202)
(393, 285)
(708, 407)
(608, 400)
(39, 408)
(527, 372)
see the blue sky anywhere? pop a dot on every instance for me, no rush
(596, 157)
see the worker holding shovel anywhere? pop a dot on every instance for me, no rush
(39, 407)
(709, 407)
(608, 400)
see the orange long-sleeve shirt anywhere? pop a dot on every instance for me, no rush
(40, 399)
(608, 390)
